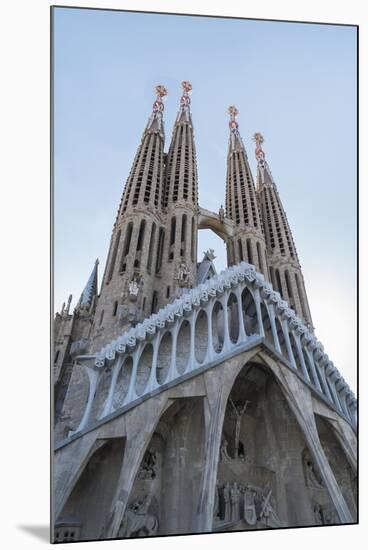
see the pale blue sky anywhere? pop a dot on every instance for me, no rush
(295, 83)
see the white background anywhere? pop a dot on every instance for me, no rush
(25, 272)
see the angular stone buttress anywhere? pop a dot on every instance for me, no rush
(188, 401)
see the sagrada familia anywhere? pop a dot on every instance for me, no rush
(191, 401)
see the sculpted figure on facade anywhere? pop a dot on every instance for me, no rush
(268, 514)
(138, 522)
(222, 214)
(235, 501)
(224, 455)
(182, 275)
(148, 467)
(239, 411)
(250, 513)
(312, 477)
(134, 287)
(227, 504)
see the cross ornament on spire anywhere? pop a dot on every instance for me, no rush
(185, 98)
(233, 111)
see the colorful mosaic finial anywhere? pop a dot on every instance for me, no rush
(259, 139)
(161, 92)
(233, 111)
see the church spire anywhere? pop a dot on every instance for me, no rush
(247, 243)
(90, 290)
(181, 199)
(284, 267)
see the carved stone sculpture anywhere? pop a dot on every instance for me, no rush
(250, 513)
(224, 455)
(182, 275)
(147, 469)
(138, 522)
(312, 477)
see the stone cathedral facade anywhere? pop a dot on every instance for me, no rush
(190, 401)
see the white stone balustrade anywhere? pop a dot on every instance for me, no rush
(200, 328)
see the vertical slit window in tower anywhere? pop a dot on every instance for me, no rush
(278, 282)
(177, 164)
(192, 244)
(113, 257)
(101, 317)
(158, 175)
(151, 245)
(160, 248)
(138, 254)
(260, 259)
(289, 290)
(57, 356)
(172, 238)
(272, 276)
(149, 179)
(167, 292)
(144, 304)
(128, 238)
(154, 302)
(183, 235)
(301, 296)
(249, 252)
(140, 174)
(115, 308)
(240, 248)
(186, 164)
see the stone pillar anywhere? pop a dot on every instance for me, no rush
(214, 416)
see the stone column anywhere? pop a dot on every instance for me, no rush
(215, 407)
(94, 377)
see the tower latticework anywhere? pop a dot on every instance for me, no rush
(248, 243)
(135, 249)
(181, 203)
(284, 267)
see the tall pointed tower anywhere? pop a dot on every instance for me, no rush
(247, 243)
(132, 263)
(285, 270)
(180, 201)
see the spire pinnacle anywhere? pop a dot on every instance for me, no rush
(260, 155)
(155, 121)
(235, 142)
(185, 100)
(90, 290)
(265, 175)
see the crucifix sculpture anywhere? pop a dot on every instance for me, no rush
(239, 412)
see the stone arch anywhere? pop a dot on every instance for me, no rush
(249, 309)
(144, 368)
(122, 382)
(261, 451)
(201, 336)
(89, 500)
(164, 357)
(233, 317)
(340, 465)
(217, 326)
(183, 346)
(169, 474)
